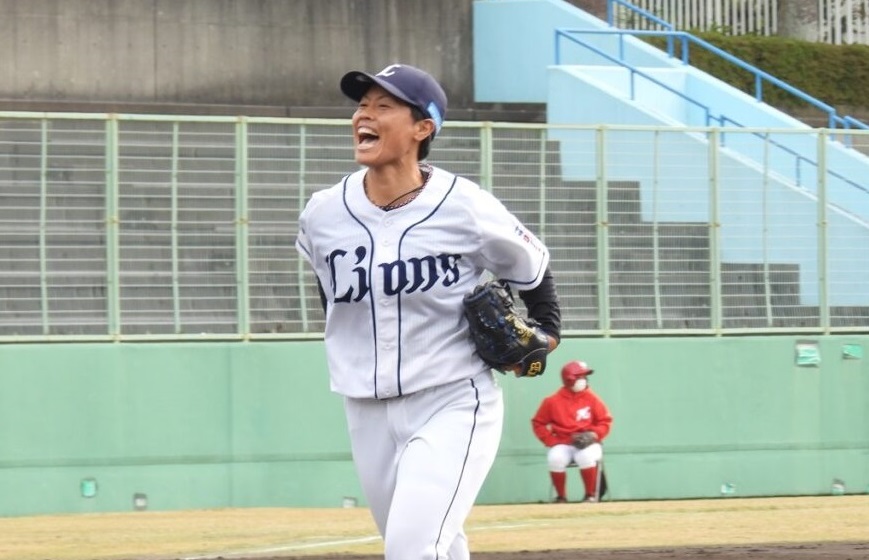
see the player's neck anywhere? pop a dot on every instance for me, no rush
(385, 185)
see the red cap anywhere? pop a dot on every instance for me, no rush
(573, 371)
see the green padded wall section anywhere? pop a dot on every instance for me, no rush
(693, 415)
(86, 427)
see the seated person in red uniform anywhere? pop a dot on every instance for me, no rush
(561, 419)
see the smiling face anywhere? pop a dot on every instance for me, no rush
(385, 131)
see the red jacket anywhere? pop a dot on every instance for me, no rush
(564, 413)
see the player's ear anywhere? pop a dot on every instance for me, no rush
(424, 129)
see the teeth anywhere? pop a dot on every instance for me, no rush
(365, 130)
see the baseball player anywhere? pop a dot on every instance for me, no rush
(572, 423)
(395, 246)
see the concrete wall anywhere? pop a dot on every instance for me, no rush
(515, 43)
(86, 427)
(239, 52)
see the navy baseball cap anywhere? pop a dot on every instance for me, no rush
(411, 85)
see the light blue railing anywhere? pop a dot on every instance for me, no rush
(799, 158)
(569, 34)
(834, 119)
(611, 19)
(710, 118)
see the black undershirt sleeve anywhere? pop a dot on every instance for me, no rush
(543, 306)
(322, 295)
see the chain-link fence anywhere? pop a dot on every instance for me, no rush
(140, 227)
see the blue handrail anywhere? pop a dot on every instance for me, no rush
(721, 119)
(759, 75)
(849, 122)
(797, 156)
(834, 119)
(566, 33)
(610, 17)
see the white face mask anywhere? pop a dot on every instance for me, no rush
(580, 385)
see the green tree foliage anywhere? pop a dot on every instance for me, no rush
(838, 75)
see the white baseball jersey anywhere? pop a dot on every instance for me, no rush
(394, 281)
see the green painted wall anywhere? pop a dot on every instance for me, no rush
(199, 425)
(692, 414)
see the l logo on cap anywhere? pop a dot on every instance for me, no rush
(389, 70)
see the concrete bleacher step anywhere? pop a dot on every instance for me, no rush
(207, 234)
(745, 291)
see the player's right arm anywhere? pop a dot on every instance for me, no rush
(322, 294)
(540, 424)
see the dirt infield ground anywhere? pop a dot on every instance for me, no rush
(816, 551)
(808, 528)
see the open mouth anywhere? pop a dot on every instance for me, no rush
(366, 137)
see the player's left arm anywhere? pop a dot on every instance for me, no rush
(601, 418)
(543, 306)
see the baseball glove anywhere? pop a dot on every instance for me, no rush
(581, 440)
(504, 339)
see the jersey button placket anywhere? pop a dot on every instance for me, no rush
(387, 319)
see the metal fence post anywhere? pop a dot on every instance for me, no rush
(300, 262)
(112, 225)
(823, 278)
(486, 156)
(242, 228)
(603, 258)
(715, 314)
(43, 226)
